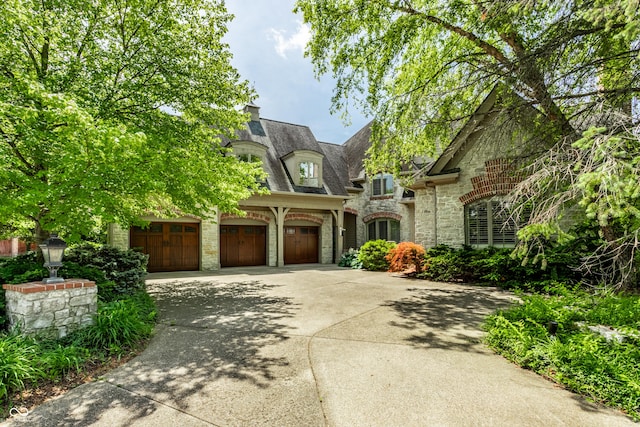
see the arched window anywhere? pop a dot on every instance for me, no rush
(384, 228)
(489, 223)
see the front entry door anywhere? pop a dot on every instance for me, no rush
(301, 245)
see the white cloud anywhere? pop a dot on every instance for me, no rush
(297, 41)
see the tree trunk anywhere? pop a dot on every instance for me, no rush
(624, 271)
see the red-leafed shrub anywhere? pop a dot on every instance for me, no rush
(407, 257)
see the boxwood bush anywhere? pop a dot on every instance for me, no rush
(373, 255)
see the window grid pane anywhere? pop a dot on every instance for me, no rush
(383, 230)
(478, 224)
(388, 184)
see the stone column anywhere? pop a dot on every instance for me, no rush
(51, 309)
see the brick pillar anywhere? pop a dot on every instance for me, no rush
(51, 309)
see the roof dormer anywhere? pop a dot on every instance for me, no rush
(249, 150)
(305, 167)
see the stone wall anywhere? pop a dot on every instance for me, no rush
(425, 214)
(118, 236)
(209, 246)
(326, 239)
(52, 310)
(476, 167)
(370, 206)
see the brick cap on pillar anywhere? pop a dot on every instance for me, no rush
(33, 287)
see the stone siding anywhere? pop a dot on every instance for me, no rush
(52, 310)
(482, 165)
(379, 207)
(118, 236)
(425, 232)
(209, 246)
(326, 239)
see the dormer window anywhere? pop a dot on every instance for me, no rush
(308, 174)
(382, 185)
(304, 167)
(249, 158)
(248, 151)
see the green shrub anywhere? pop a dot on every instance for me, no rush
(583, 361)
(447, 264)
(119, 325)
(350, 259)
(116, 272)
(501, 267)
(73, 270)
(124, 270)
(373, 254)
(3, 310)
(23, 268)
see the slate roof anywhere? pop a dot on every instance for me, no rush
(281, 139)
(355, 152)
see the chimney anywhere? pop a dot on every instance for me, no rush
(254, 110)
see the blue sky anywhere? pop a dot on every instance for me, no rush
(267, 41)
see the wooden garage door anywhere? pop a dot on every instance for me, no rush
(243, 245)
(171, 246)
(300, 245)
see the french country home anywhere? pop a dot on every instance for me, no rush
(321, 201)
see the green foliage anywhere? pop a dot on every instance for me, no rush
(25, 361)
(583, 361)
(350, 259)
(447, 264)
(501, 267)
(119, 325)
(100, 103)
(406, 257)
(119, 272)
(389, 58)
(373, 255)
(17, 367)
(22, 269)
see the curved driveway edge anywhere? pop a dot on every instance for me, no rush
(319, 345)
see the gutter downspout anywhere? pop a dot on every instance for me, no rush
(435, 215)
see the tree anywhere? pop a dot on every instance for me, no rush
(421, 67)
(113, 109)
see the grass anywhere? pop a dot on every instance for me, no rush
(605, 371)
(120, 327)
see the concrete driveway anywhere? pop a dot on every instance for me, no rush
(319, 346)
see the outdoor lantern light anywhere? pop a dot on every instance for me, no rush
(552, 327)
(52, 251)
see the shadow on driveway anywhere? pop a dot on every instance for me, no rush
(229, 324)
(447, 318)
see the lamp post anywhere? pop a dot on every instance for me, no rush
(53, 251)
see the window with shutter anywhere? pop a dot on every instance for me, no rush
(477, 224)
(489, 223)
